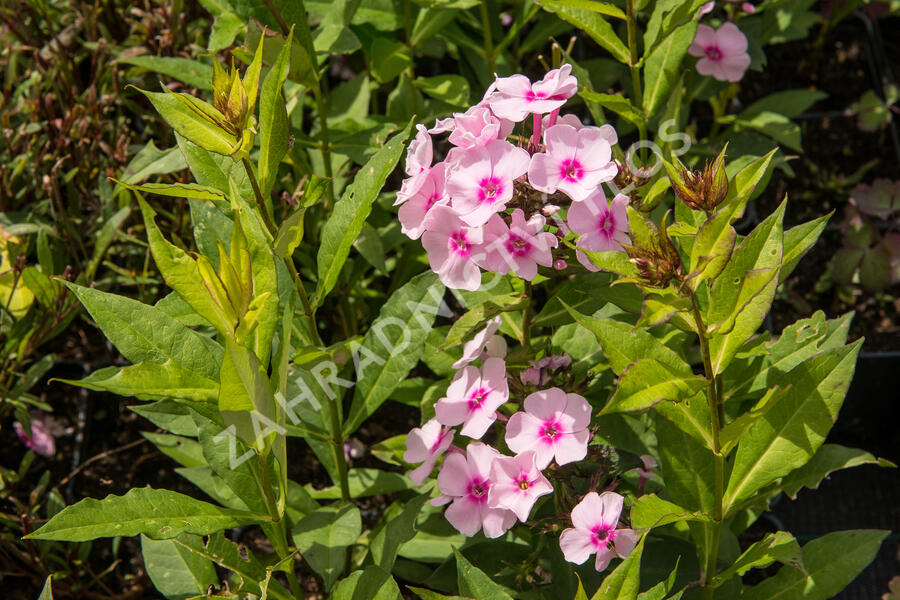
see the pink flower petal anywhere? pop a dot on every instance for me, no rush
(465, 515)
(576, 545)
(453, 476)
(546, 404)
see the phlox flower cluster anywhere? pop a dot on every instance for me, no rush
(489, 491)
(484, 206)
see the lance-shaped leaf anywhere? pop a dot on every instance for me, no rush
(624, 582)
(620, 105)
(372, 582)
(168, 415)
(731, 433)
(798, 240)
(475, 583)
(400, 529)
(588, 293)
(245, 393)
(274, 127)
(151, 381)
(179, 190)
(827, 459)
(666, 306)
(831, 562)
(213, 170)
(144, 333)
(592, 24)
(744, 183)
(351, 211)
(647, 382)
(652, 511)
(623, 345)
(176, 571)
(662, 66)
(687, 464)
(478, 315)
(711, 248)
(393, 345)
(790, 433)
(780, 546)
(322, 538)
(159, 514)
(198, 121)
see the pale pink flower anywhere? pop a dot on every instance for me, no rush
(413, 213)
(467, 480)
(707, 8)
(474, 397)
(451, 246)
(418, 162)
(515, 97)
(520, 246)
(479, 343)
(538, 373)
(426, 444)
(649, 463)
(603, 227)
(576, 161)
(482, 181)
(723, 51)
(554, 425)
(517, 484)
(478, 126)
(748, 8)
(595, 519)
(41, 439)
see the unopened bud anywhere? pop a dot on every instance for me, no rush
(659, 264)
(701, 190)
(560, 264)
(549, 209)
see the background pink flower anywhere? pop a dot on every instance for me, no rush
(478, 343)
(426, 444)
(554, 425)
(517, 484)
(41, 438)
(516, 97)
(595, 519)
(474, 397)
(482, 181)
(723, 51)
(603, 227)
(576, 161)
(467, 480)
(451, 246)
(418, 162)
(415, 207)
(520, 246)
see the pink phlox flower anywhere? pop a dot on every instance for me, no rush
(478, 343)
(41, 438)
(473, 398)
(467, 479)
(576, 161)
(649, 463)
(481, 182)
(517, 484)
(539, 372)
(723, 52)
(426, 444)
(413, 213)
(516, 97)
(442, 125)
(478, 126)
(603, 227)
(707, 8)
(418, 162)
(451, 246)
(520, 246)
(554, 425)
(595, 519)
(748, 8)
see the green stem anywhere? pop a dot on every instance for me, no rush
(635, 71)
(716, 421)
(326, 146)
(337, 446)
(489, 56)
(279, 524)
(526, 318)
(411, 69)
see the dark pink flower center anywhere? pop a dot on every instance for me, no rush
(606, 224)
(437, 443)
(713, 53)
(489, 188)
(517, 246)
(523, 482)
(531, 95)
(550, 431)
(476, 399)
(600, 534)
(478, 489)
(571, 170)
(458, 243)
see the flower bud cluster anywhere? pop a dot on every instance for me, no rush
(482, 207)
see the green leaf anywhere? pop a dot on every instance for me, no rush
(371, 583)
(192, 72)
(452, 89)
(176, 572)
(225, 28)
(647, 382)
(797, 242)
(687, 464)
(143, 333)
(587, 294)
(624, 345)
(365, 482)
(179, 190)
(603, 8)
(780, 546)
(652, 511)
(430, 595)
(351, 211)
(173, 305)
(159, 514)
(732, 432)
(592, 24)
(151, 381)
(150, 161)
(624, 582)
(386, 543)
(245, 393)
(832, 562)
(475, 318)
(742, 186)
(388, 58)
(393, 345)
(323, 536)
(474, 582)
(171, 416)
(620, 105)
(274, 127)
(213, 170)
(666, 17)
(711, 248)
(773, 124)
(827, 459)
(793, 429)
(789, 103)
(662, 66)
(196, 120)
